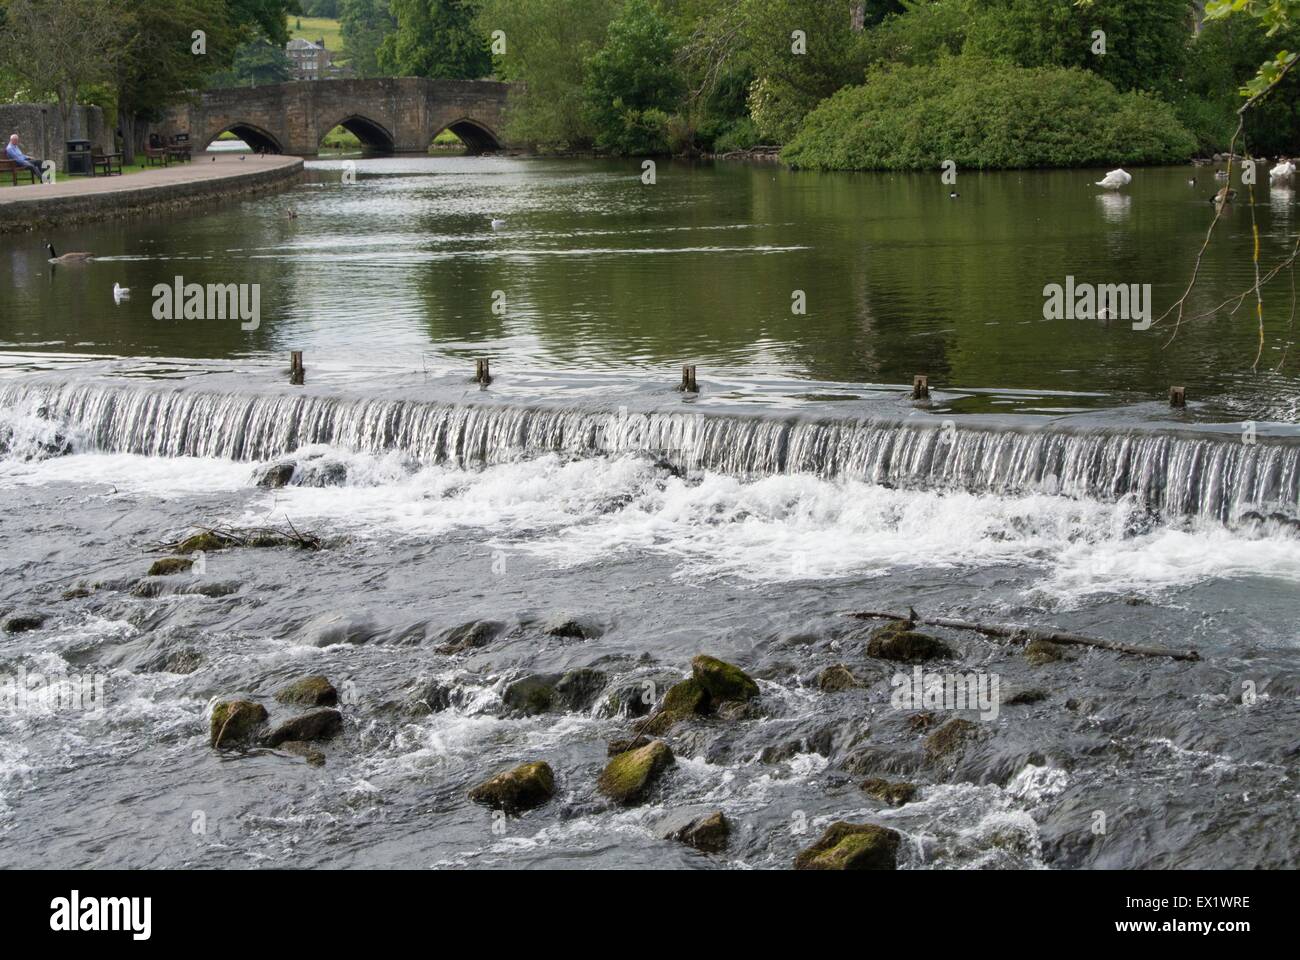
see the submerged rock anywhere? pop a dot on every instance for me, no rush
(470, 636)
(722, 680)
(304, 750)
(167, 566)
(77, 593)
(321, 724)
(629, 776)
(207, 541)
(23, 622)
(851, 846)
(952, 736)
(531, 695)
(894, 793)
(526, 786)
(315, 691)
(682, 701)
(899, 642)
(331, 628)
(1033, 695)
(577, 628)
(836, 678)
(235, 722)
(1039, 652)
(707, 833)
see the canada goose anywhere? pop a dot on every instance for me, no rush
(1115, 179)
(1225, 195)
(121, 293)
(498, 224)
(78, 257)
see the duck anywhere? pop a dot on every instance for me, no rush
(121, 293)
(1226, 195)
(1191, 182)
(77, 257)
(1284, 169)
(498, 224)
(293, 214)
(954, 195)
(1220, 174)
(1115, 179)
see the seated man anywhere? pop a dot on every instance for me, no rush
(15, 153)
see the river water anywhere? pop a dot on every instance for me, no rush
(1046, 482)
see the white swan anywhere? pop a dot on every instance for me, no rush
(498, 224)
(1284, 169)
(1115, 179)
(121, 293)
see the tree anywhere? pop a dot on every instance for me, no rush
(1275, 17)
(256, 63)
(632, 85)
(267, 18)
(365, 24)
(437, 39)
(548, 43)
(61, 47)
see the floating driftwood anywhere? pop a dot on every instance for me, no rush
(222, 537)
(1022, 634)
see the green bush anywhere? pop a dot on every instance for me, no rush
(986, 114)
(740, 135)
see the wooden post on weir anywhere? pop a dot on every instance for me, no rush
(920, 387)
(688, 380)
(481, 372)
(1177, 396)
(297, 373)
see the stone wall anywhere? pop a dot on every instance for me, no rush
(41, 128)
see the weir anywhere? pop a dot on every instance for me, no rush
(1175, 475)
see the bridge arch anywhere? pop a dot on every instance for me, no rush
(477, 136)
(258, 138)
(373, 135)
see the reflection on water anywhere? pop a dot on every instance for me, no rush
(595, 271)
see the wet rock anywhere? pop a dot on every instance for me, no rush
(235, 722)
(897, 641)
(951, 737)
(821, 743)
(707, 833)
(1039, 652)
(531, 695)
(895, 793)
(277, 475)
(304, 750)
(431, 696)
(213, 589)
(147, 588)
(333, 628)
(178, 661)
(1033, 695)
(167, 566)
(682, 701)
(76, 593)
(919, 722)
(735, 710)
(321, 724)
(851, 846)
(470, 636)
(23, 622)
(630, 699)
(206, 540)
(628, 777)
(836, 678)
(321, 471)
(578, 689)
(577, 628)
(722, 680)
(314, 691)
(615, 747)
(526, 786)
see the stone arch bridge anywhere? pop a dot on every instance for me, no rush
(388, 115)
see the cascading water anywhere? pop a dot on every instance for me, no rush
(1174, 475)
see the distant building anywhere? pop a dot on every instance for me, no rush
(309, 61)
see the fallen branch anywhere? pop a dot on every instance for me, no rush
(221, 537)
(1021, 634)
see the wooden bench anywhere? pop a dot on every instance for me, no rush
(156, 157)
(10, 167)
(179, 152)
(106, 162)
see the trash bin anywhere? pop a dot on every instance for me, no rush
(79, 157)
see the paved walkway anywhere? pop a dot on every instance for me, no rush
(201, 169)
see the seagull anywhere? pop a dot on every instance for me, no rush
(121, 293)
(1115, 179)
(498, 224)
(1284, 169)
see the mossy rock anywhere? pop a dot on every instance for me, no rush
(920, 722)
(235, 722)
(526, 786)
(722, 680)
(894, 793)
(315, 691)
(320, 724)
(684, 700)
(952, 736)
(207, 541)
(897, 641)
(1039, 652)
(167, 566)
(305, 750)
(615, 747)
(76, 593)
(852, 846)
(470, 636)
(836, 678)
(22, 623)
(628, 777)
(531, 695)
